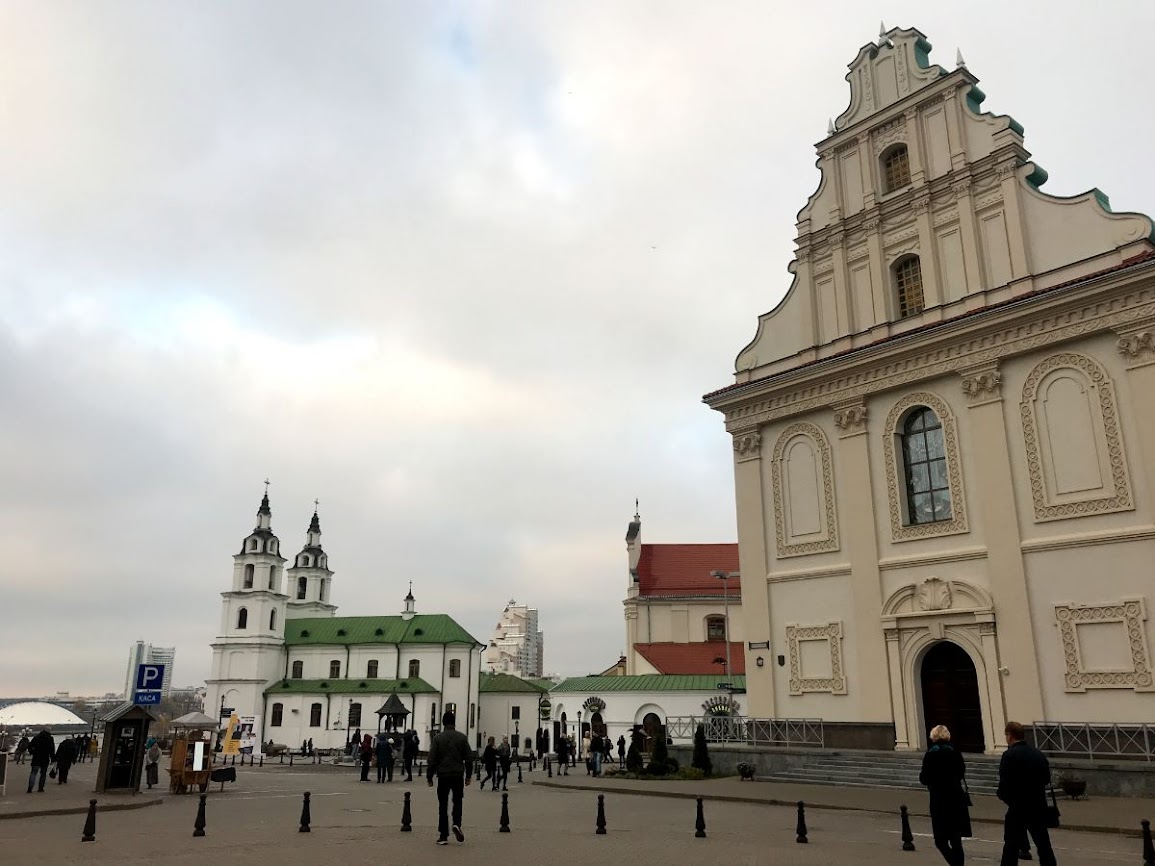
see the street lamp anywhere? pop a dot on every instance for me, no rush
(580, 736)
(725, 576)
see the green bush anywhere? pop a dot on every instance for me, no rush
(660, 757)
(672, 765)
(634, 763)
(701, 759)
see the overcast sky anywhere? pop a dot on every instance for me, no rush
(460, 270)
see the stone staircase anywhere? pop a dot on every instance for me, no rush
(876, 770)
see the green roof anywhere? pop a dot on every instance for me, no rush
(507, 683)
(650, 683)
(412, 686)
(542, 683)
(343, 630)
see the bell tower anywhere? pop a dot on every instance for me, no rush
(310, 579)
(249, 650)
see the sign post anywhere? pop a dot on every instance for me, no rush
(149, 679)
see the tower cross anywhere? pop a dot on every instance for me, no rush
(266, 487)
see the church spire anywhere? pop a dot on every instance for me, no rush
(410, 604)
(265, 513)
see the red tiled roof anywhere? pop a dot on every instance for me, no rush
(1138, 259)
(693, 658)
(683, 570)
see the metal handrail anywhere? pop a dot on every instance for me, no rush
(742, 730)
(1094, 740)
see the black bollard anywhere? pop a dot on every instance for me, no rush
(305, 816)
(601, 831)
(519, 771)
(801, 829)
(90, 824)
(907, 836)
(700, 823)
(548, 768)
(262, 759)
(1148, 847)
(406, 816)
(290, 759)
(199, 826)
(504, 828)
(282, 756)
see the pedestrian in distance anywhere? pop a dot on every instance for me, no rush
(1024, 774)
(505, 760)
(65, 758)
(84, 745)
(944, 774)
(489, 761)
(152, 762)
(409, 747)
(304, 748)
(22, 748)
(562, 756)
(451, 761)
(622, 752)
(42, 748)
(384, 759)
(365, 751)
(594, 744)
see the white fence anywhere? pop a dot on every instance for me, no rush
(741, 730)
(1089, 740)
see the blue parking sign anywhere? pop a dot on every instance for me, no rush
(149, 678)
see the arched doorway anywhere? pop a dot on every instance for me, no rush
(599, 726)
(653, 728)
(950, 695)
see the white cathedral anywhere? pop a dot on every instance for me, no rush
(285, 658)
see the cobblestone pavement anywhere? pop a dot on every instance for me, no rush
(256, 821)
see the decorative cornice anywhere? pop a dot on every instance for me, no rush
(1137, 347)
(853, 377)
(920, 204)
(982, 385)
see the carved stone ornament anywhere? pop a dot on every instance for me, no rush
(803, 254)
(961, 187)
(1137, 347)
(748, 446)
(1132, 614)
(821, 449)
(1117, 496)
(934, 593)
(919, 205)
(850, 420)
(982, 386)
(800, 684)
(872, 224)
(892, 133)
(1006, 170)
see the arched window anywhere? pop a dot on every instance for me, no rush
(334, 670)
(924, 464)
(278, 713)
(249, 576)
(895, 168)
(455, 667)
(306, 560)
(715, 627)
(908, 285)
(371, 672)
(414, 669)
(298, 669)
(302, 585)
(354, 715)
(243, 618)
(272, 620)
(272, 547)
(253, 545)
(315, 716)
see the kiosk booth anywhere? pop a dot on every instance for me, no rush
(122, 759)
(190, 764)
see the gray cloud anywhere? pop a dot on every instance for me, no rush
(462, 272)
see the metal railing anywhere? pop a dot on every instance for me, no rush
(1089, 740)
(741, 730)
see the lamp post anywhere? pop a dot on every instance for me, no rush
(725, 576)
(580, 735)
(220, 727)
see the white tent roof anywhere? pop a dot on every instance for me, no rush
(37, 714)
(195, 720)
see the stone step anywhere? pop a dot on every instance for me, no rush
(862, 783)
(973, 771)
(868, 778)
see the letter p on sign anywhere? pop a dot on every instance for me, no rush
(149, 677)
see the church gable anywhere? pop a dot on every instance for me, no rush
(924, 203)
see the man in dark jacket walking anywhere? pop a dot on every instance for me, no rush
(65, 758)
(43, 750)
(409, 748)
(1024, 774)
(451, 760)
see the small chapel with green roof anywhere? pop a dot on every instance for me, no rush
(284, 657)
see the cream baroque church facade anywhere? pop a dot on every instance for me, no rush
(944, 435)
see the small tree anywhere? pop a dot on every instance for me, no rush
(660, 756)
(701, 759)
(634, 763)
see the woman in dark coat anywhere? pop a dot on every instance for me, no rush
(943, 773)
(366, 757)
(489, 761)
(562, 756)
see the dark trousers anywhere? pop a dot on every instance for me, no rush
(152, 774)
(43, 771)
(62, 772)
(490, 773)
(364, 771)
(447, 785)
(505, 765)
(951, 849)
(407, 767)
(1015, 827)
(384, 770)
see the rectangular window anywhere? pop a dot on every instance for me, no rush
(298, 669)
(472, 715)
(515, 713)
(455, 668)
(278, 712)
(334, 670)
(414, 669)
(315, 716)
(354, 715)
(716, 628)
(451, 708)
(371, 671)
